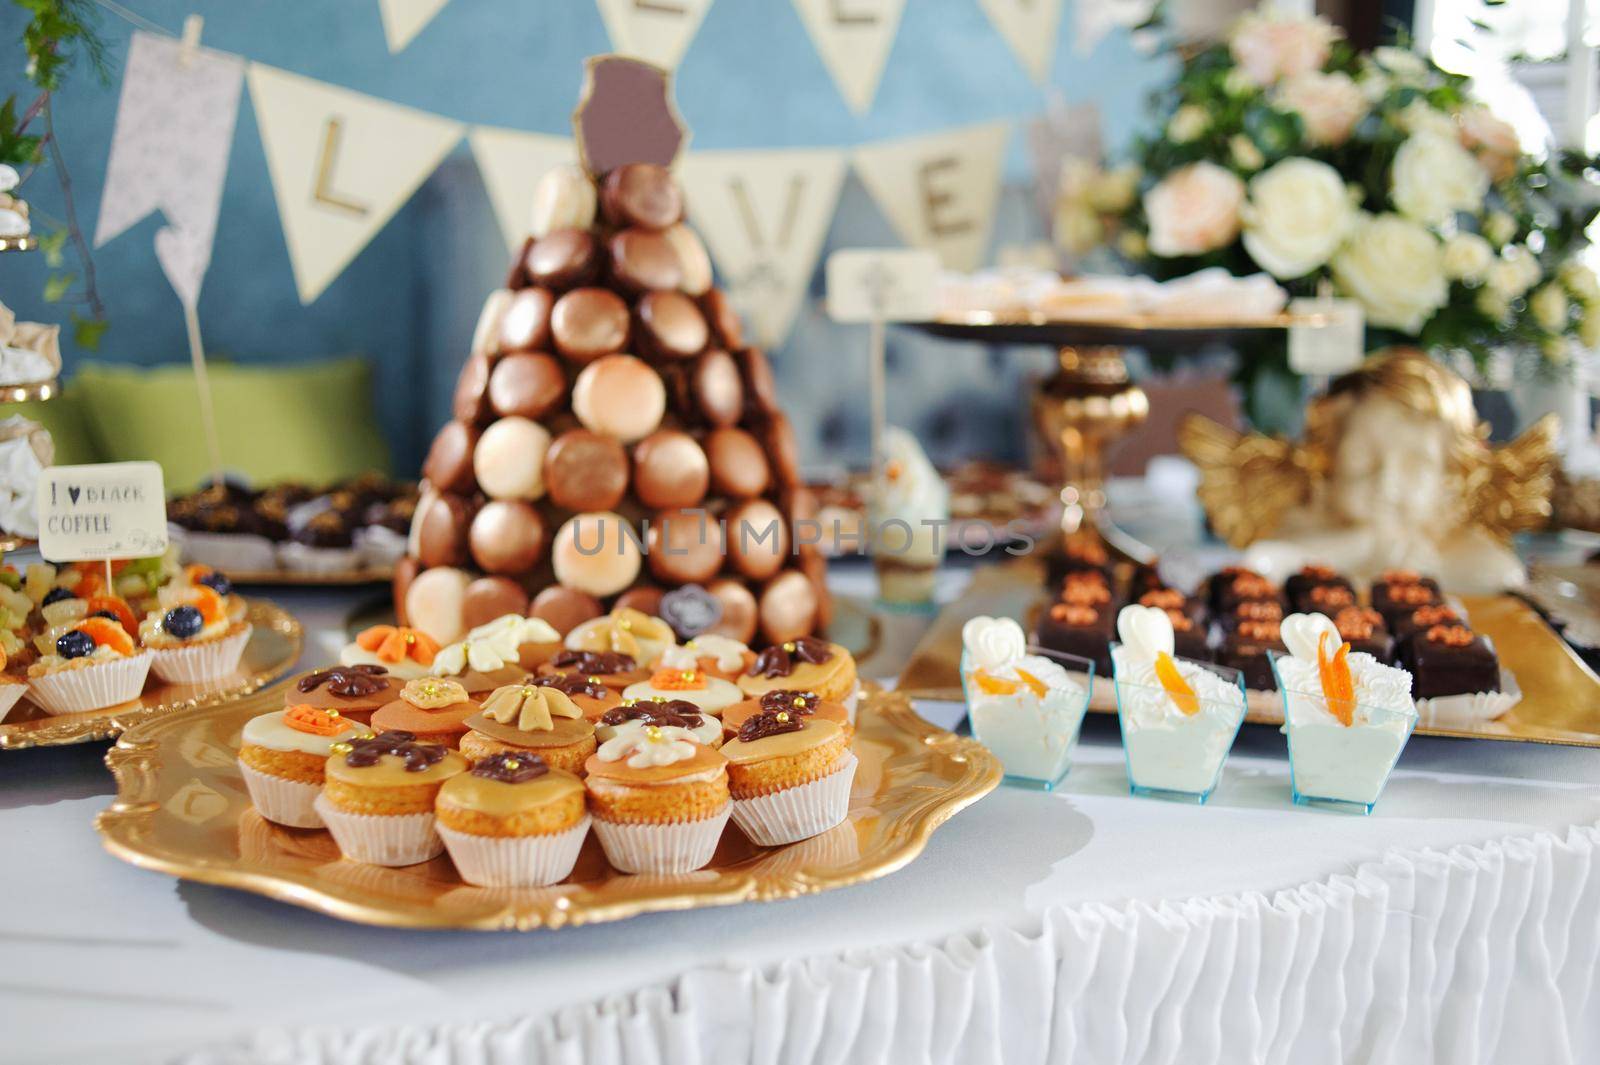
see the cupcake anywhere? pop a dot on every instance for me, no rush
(615, 670)
(198, 574)
(325, 544)
(789, 775)
(480, 665)
(591, 694)
(92, 664)
(433, 709)
(406, 653)
(282, 756)
(355, 691)
(806, 664)
(192, 637)
(625, 631)
(531, 719)
(663, 713)
(714, 655)
(378, 796)
(806, 704)
(512, 821)
(13, 680)
(711, 694)
(660, 800)
(530, 641)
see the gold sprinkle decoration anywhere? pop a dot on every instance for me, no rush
(512, 763)
(411, 639)
(799, 702)
(688, 675)
(789, 647)
(624, 624)
(783, 715)
(595, 680)
(658, 698)
(652, 733)
(331, 712)
(341, 747)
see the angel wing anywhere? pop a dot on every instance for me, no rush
(1247, 481)
(1511, 491)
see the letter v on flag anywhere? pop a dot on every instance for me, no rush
(341, 164)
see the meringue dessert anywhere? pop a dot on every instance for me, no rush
(1025, 707)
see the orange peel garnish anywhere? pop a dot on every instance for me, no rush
(1338, 686)
(1036, 685)
(990, 684)
(107, 633)
(392, 643)
(316, 722)
(678, 680)
(208, 602)
(1172, 682)
(95, 604)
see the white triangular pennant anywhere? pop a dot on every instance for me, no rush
(764, 215)
(854, 38)
(939, 190)
(657, 31)
(341, 164)
(511, 163)
(1030, 28)
(404, 19)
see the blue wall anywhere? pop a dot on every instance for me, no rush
(750, 79)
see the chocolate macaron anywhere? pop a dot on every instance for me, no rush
(507, 536)
(470, 403)
(683, 547)
(643, 260)
(585, 471)
(563, 259)
(725, 323)
(488, 598)
(758, 539)
(641, 194)
(564, 609)
(528, 384)
(671, 326)
(509, 459)
(739, 610)
(717, 388)
(587, 323)
(448, 466)
(525, 325)
(788, 607)
(670, 470)
(441, 523)
(739, 466)
(619, 396)
(692, 257)
(596, 552)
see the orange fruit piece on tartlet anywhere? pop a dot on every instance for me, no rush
(94, 604)
(107, 633)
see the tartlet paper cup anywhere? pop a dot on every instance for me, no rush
(318, 561)
(677, 847)
(225, 551)
(73, 691)
(793, 814)
(281, 800)
(515, 861)
(392, 840)
(9, 694)
(1470, 708)
(200, 662)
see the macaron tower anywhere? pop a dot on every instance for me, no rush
(613, 435)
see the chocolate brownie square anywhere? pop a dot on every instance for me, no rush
(1363, 629)
(1268, 611)
(1407, 624)
(1319, 590)
(1394, 600)
(1450, 660)
(1235, 584)
(1078, 629)
(1246, 649)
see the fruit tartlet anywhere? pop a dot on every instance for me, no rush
(624, 631)
(712, 654)
(283, 755)
(531, 641)
(512, 821)
(711, 694)
(433, 709)
(406, 653)
(480, 665)
(192, 637)
(198, 574)
(806, 704)
(663, 713)
(591, 693)
(91, 664)
(789, 775)
(531, 719)
(806, 664)
(354, 691)
(13, 679)
(659, 799)
(615, 670)
(378, 797)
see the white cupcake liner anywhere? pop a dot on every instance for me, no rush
(302, 558)
(392, 840)
(73, 691)
(9, 694)
(515, 861)
(225, 551)
(281, 800)
(851, 701)
(200, 662)
(793, 814)
(678, 847)
(1470, 708)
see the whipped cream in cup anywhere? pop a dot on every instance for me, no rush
(1342, 744)
(1026, 704)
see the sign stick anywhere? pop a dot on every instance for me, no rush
(208, 416)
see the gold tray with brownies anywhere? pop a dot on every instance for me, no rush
(521, 779)
(88, 650)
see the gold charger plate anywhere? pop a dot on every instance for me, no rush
(273, 648)
(1560, 694)
(181, 808)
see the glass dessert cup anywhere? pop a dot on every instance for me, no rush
(1341, 766)
(1171, 755)
(1032, 735)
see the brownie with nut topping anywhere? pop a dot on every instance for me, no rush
(1247, 647)
(1450, 660)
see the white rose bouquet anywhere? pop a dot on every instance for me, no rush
(1282, 150)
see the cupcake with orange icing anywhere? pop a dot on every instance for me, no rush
(659, 800)
(789, 775)
(433, 709)
(711, 694)
(192, 636)
(806, 704)
(282, 756)
(404, 653)
(531, 719)
(512, 821)
(806, 664)
(90, 665)
(378, 797)
(354, 691)
(613, 669)
(663, 713)
(712, 654)
(591, 693)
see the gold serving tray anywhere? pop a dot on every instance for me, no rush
(1560, 694)
(273, 649)
(181, 808)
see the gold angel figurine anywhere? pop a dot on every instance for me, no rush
(1393, 471)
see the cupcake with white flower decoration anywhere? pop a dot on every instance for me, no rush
(480, 665)
(533, 640)
(624, 631)
(660, 800)
(1024, 705)
(712, 654)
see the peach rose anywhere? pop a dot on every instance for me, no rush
(1491, 140)
(1193, 210)
(1269, 48)
(1329, 105)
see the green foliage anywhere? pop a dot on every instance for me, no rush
(17, 148)
(57, 33)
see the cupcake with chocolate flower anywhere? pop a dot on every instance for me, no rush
(282, 756)
(378, 797)
(806, 664)
(512, 821)
(789, 775)
(406, 653)
(803, 703)
(711, 694)
(662, 713)
(193, 637)
(531, 719)
(433, 709)
(659, 799)
(590, 693)
(615, 670)
(354, 691)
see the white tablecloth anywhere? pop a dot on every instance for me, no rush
(1460, 923)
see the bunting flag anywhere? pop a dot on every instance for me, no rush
(763, 215)
(341, 164)
(1030, 27)
(404, 19)
(657, 31)
(854, 38)
(169, 152)
(511, 162)
(939, 190)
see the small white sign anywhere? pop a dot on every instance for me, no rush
(1333, 346)
(103, 511)
(882, 285)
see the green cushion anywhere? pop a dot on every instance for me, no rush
(311, 422)
(64, 417)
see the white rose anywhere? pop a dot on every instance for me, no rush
(1114, 191)
(1297, 216)
(1493, 305)
(1580, 281)
(1269, 48)
(1467, 257)
(1589, 330)
(1549, 306)
(1419, 116)
(1499, 228)
(1396, 269)
(1515, 272)
(1433, 177)
(1402, 64)
(1246, 156)
(1329, 105)
(1077, 228)
(1193, 210)
(1132, 245)
(1188, 123)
